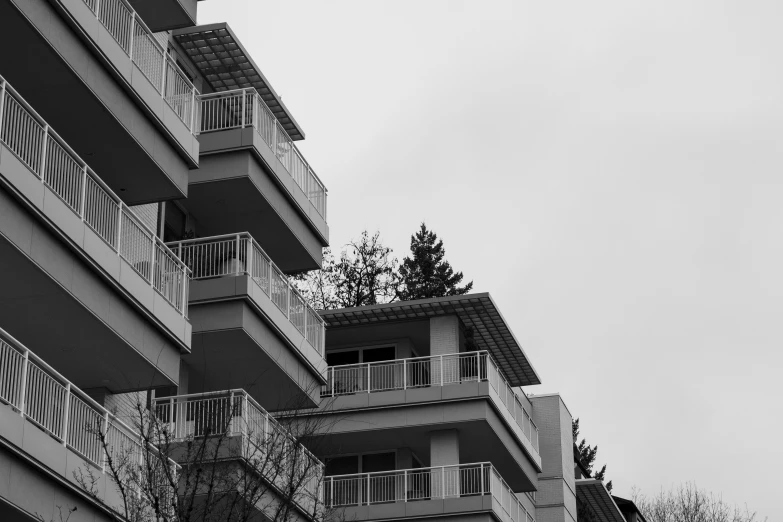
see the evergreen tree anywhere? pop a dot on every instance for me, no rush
(587, 455)
(426, 273)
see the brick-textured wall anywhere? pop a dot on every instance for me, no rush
(124, 405)
(556, 497)
(148, 214)
(444, 335)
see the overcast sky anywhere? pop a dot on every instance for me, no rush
(608, 170)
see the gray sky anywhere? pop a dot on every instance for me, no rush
(609, 171)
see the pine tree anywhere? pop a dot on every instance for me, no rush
(587, 455)
(427, 274)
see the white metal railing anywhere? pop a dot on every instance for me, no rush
(231, 255)
(53, 404)
(245, 108)
(408, 485)
(152, 59)
(58, 167)
(236, 413)
(436, 370)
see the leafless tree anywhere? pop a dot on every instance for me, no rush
(217, 458)
(364, 274)
(688, 503)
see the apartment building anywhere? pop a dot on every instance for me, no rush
(424, 416)
(153, 203)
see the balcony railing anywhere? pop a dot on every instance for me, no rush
(235, 413)
(238, 254)
(242, 108)
(423, 372)
(59, 168)
(143, 49)
(53, 404)
(410, 485)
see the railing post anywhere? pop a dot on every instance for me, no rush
(368, 489)
(98, 9)
(184, 270)
(249, 257)
(152, 261)
(132, 34)
(442, 370)
(482, 479)
(172, 425)
(237, 256)
(23, 390)
(193, 111)
(105, 436)
(163, 75)
(478, 366)
(332, 370)
(244, 107)
(83, 204)
(2, 105)
(404, 376)
(405, 484)
(231, 411)
(368, 377)
(244, 415)
(44, 148)
(66, 413)
(331, 492)
(119, 227)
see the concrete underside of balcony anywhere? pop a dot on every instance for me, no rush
(239, 343)
(483, 435)
(78, 78)
(70, 299)
(237, 190)
(224, 468)
(464, 509)
(38, 474)
(163, 15)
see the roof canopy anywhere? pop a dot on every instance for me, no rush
(593, 492)
(225, 64)
(478, 311)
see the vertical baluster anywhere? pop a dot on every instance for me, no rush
(3, 88)
(23, 389)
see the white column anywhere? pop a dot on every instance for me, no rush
(444, 340)
(444, 451)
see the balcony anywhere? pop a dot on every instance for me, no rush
(54, 422)
(163, 15)
(425, 379)
(245, 309)
(425, 492)
(260, 439)
(136, 110)
(252, 175)
(79, 213)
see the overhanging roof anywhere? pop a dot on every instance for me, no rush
(226, 65)
(593, 492)
(478, 311)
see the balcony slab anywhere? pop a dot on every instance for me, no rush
(163, 15)
(242, 190)
(484, 434)
(241, 342)
(105, 326)
(122, 127)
